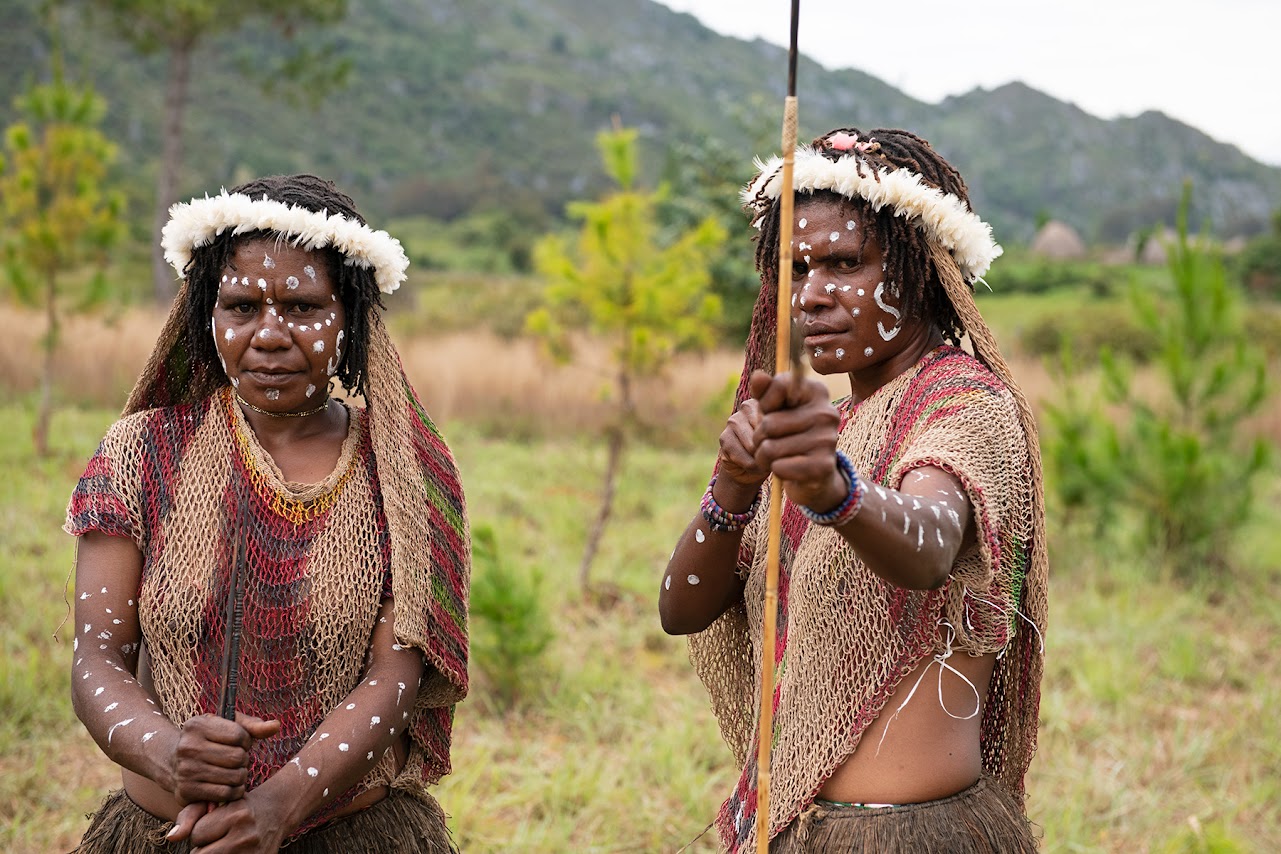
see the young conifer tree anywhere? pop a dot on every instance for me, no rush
(617, 281)
(57, 213)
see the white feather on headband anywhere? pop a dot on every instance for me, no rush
(197, 223)
(941, 216)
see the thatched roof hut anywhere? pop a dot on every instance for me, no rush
(1058, 241)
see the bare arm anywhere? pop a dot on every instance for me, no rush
(346, 745)
(910, 536)
(701, 581)
(203, 760)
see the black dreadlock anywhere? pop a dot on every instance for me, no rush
(356, 285)
(907, 258)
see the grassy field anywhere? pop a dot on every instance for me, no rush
(1158, 729)
(1158, 722)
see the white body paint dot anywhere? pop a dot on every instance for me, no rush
(318, 347)
(667, 583)
(291, 282)
(273, 394)
(313, 772)
(699, 535)
(840, 354)
(803, 222)
(230, 335)
(343, 747)
(310, 271)
(867, 352)
(849, 225)
(311, 389)
(693, 579)
(262, 284)
(834, 236)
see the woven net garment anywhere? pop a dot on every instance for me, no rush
(847, 638)
(182, 475)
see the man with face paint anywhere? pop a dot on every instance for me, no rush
(913, 565)
(339, 534)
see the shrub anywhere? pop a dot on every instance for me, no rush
(1172, 455)
(510, 630)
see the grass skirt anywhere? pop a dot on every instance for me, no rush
(983, 819)
(400, 823)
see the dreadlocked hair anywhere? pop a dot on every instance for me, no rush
(908, 260)
(356, 285)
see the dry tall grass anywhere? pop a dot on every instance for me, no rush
(502, 385)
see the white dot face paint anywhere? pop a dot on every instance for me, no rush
(693, 579)
(804, 222)
(849, 225)
(272, 394)
(110, 707)
(369, 755)
(699, 536)
(262, 285)
(99, 691)
(818, 351)
(840, 354)
(313, 772)
(267, 262)
(230, 335)
(829, 287)
(374, 721)
(867, 351)
(667, 583)
(310, 271)
(343, 747)
(291, 282)
(148, 736)
(834, 236)
(318, 347)
(311, 389)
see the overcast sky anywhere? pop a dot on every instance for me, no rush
(1215, 66)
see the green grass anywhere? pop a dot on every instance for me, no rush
(1159, 730)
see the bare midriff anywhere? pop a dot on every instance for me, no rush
(924, 751)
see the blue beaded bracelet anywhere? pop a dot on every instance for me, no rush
(721, 519)
(848, 508)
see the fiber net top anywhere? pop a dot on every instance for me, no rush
(847, 638)
(182, 482)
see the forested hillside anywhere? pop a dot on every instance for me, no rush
(456, 106)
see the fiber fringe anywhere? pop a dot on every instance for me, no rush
(983, 819)
(401, 823)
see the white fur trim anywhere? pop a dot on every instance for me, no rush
(196, 223)
(941, 216)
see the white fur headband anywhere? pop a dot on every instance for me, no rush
(943, 217)
(196, 223)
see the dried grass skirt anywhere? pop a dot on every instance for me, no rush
(398, 824)
(983, 819)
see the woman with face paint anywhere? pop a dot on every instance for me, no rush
(271, 583)
(913, 567)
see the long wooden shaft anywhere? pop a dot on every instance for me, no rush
(782, 357)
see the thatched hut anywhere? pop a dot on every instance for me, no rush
(1058, 241)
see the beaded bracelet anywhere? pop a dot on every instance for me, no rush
(721, 519)
(848, 508)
